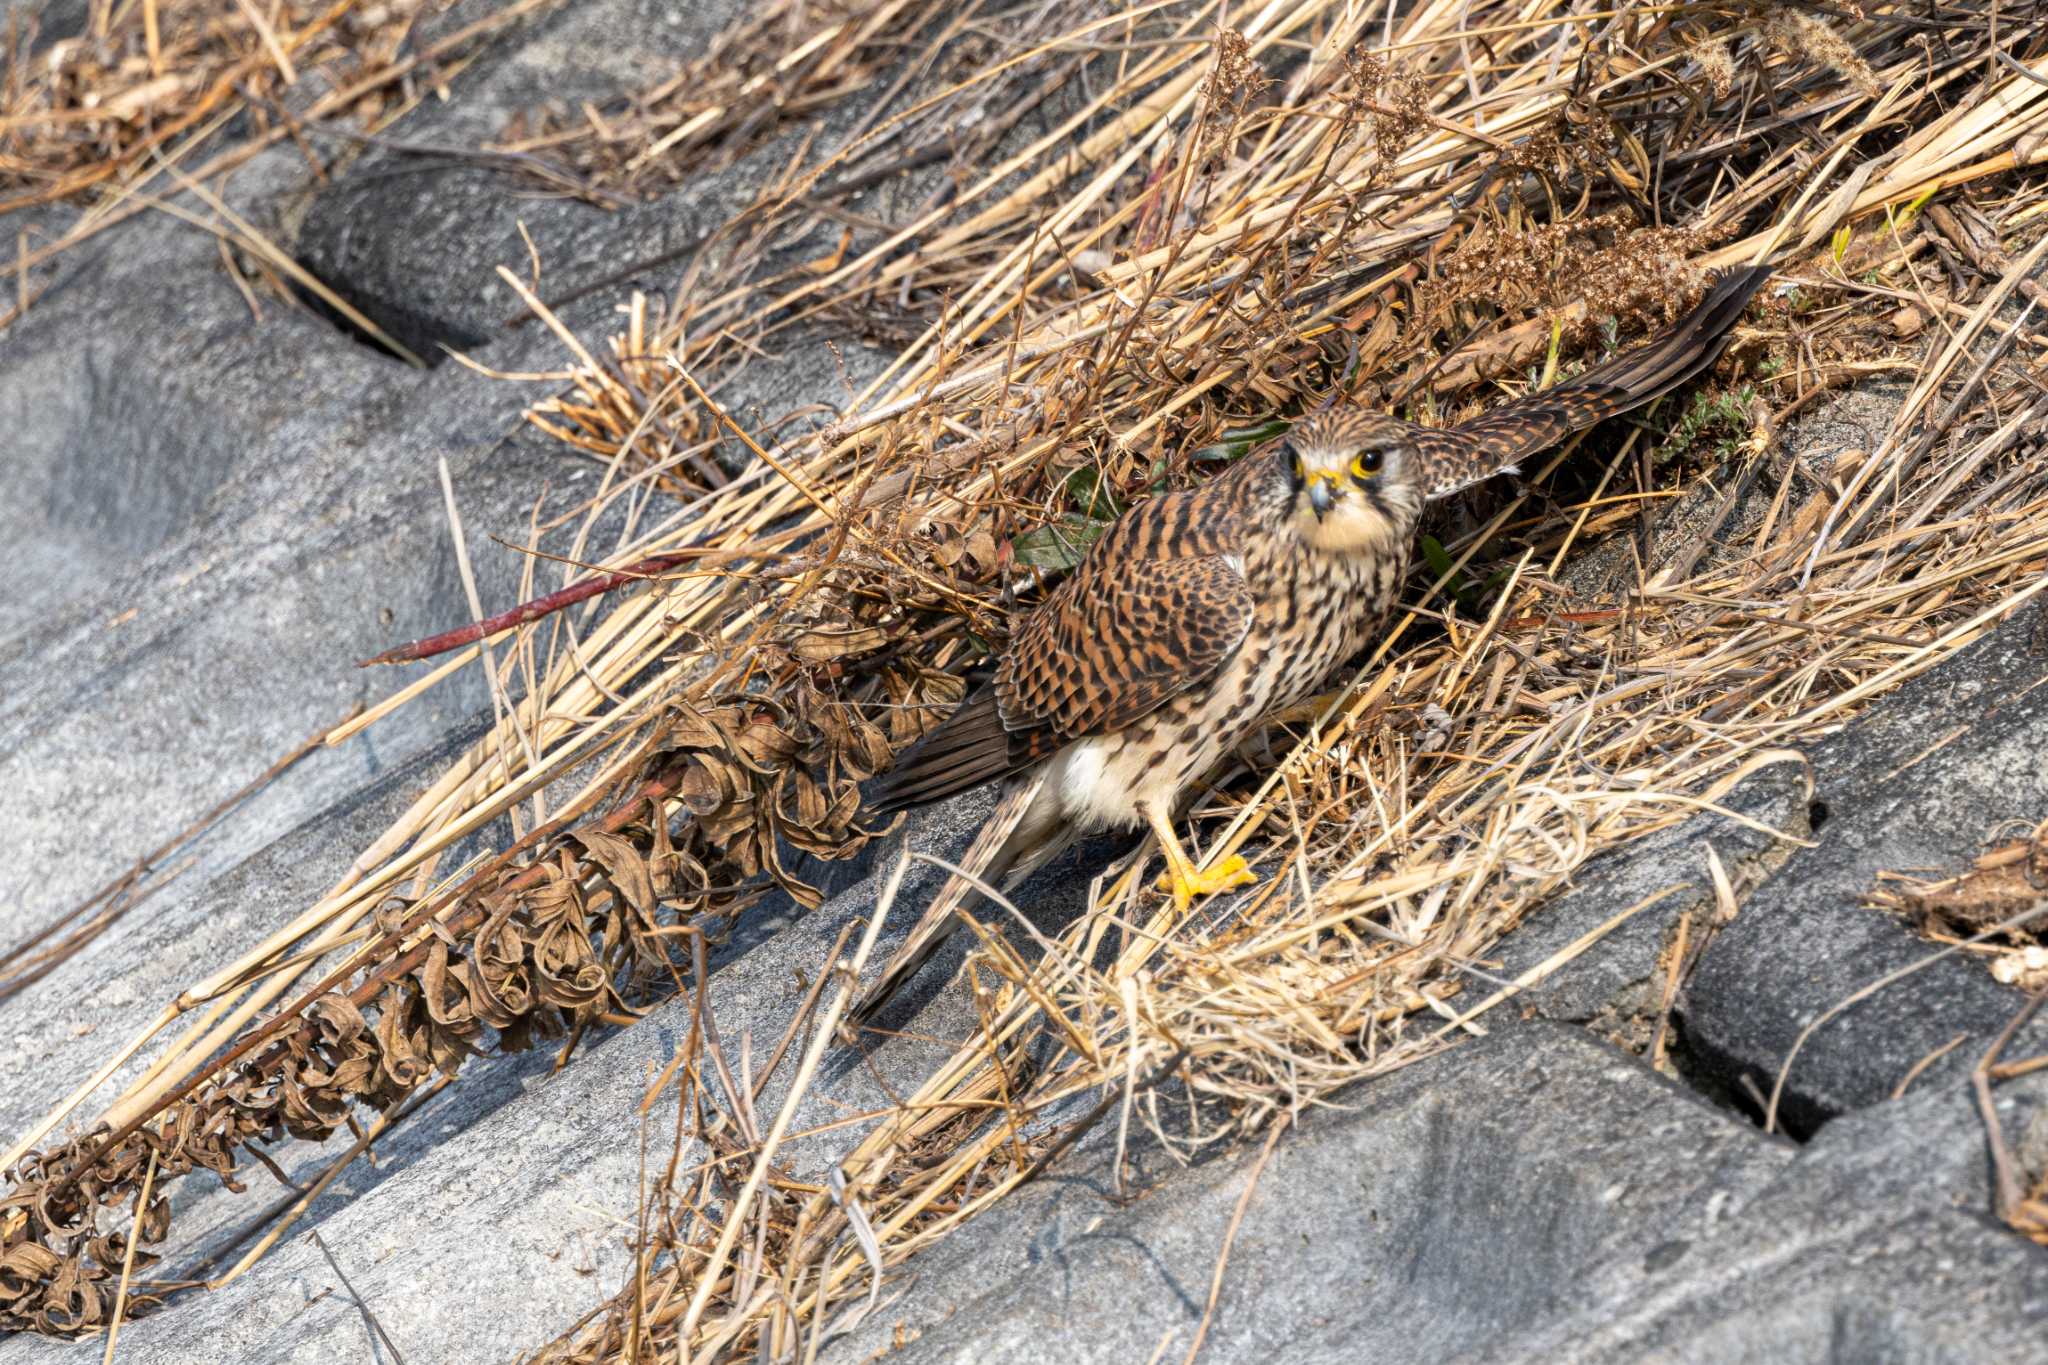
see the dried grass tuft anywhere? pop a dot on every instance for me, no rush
(153, 91)
(1982, 911)
(783, 62)
(91, 110)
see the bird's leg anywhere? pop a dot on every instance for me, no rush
(1182, 878)
(1302, 711)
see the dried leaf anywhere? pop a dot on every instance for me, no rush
(823, 646)
(625, 867)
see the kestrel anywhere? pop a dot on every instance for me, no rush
(1201, 612)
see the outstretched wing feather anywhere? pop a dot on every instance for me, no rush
(1498, 439)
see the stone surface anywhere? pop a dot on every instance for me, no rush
(245, 509)
(1930, 775)
(213, 513)
(490, 1233)
(1945, 766)
(1874, 1244)
(1533, 1197)
(1616, 987)
(1445, 1209)
(249, 508)
(1803, 940)
(415, 240)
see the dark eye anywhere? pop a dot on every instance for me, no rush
(1366, 465)
(1295, 473)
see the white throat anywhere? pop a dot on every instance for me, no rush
(1349, 528)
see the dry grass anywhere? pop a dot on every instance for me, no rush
(1215, 234)
(780, 63)
(2002, 884)
(90, 110)
(161, 95)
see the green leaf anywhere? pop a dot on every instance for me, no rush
(1060, 544)
(1239, 440)
(1090, 498)
(1259, 431)
(1912, 210)
(1550, 356)
(1438, 559)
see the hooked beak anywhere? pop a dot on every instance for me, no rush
(1321, 494)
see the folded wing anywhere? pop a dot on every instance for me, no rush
(1110, 645)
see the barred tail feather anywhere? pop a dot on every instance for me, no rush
(1001, 842)
(970, 747)
(1673, 359)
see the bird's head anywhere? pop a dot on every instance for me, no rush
(1355, 479)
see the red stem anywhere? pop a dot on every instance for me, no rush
(531, 611)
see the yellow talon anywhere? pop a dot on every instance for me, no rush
(1182, 878)
(1303, 711)
(1191, 884)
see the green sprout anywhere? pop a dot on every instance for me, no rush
(1469, 596)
